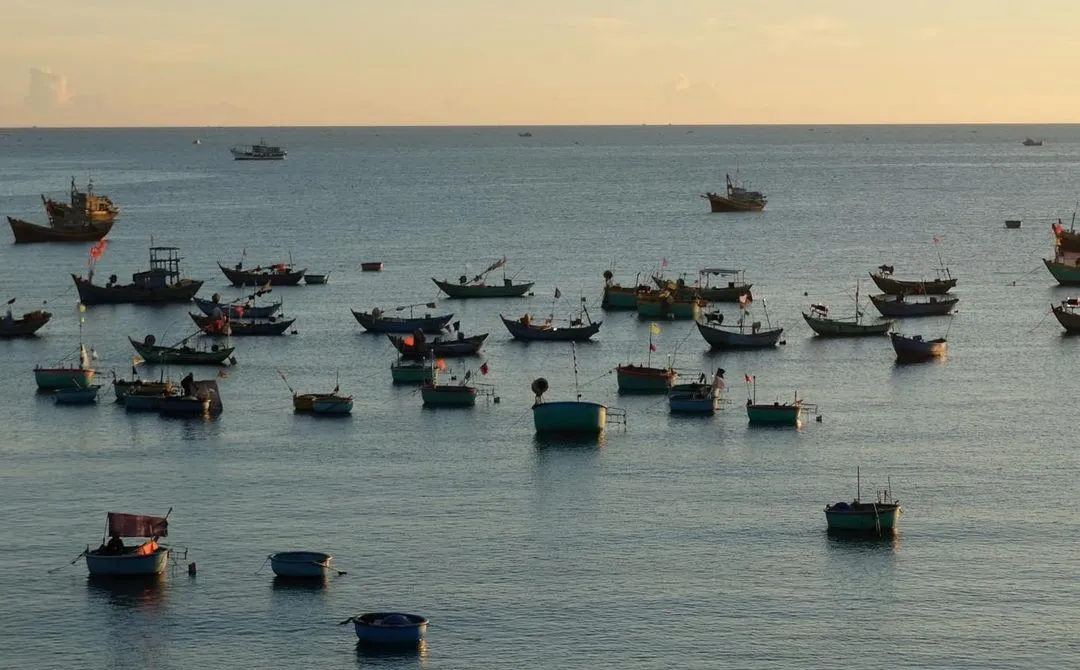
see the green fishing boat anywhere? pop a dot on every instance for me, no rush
(775, 413)
(617, 296)
(880, 517)
(407, 371)
(1065, 274)
(645, 378)
(665, 305)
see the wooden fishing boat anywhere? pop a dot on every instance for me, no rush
(377, 321)
(739, 336)
(913, 349)
(575, 330)
(879, 517)
(137, 386)
(77, 395)
(419, 346)
(371, 266)
(411, 371)
(81, 209)
(280, 274)
(1028, 142)
(64, 377)
(25, 326)
(662, 304)
(389, 629)
(477, 288)
(258, 152)
(1012, 224)
(940, 285)
(435, 394)
(316, 279)
(332, 405)
(114, 559)
(199, 398)
(30, 233)
(1066, 241)
(698, 397)
(821, 323)
(736, 286)
(569, 417)
(243, 309)
(899, 306)
(305, 402)
(225, 326)
(301, 564)
(776, 413)
(617, 296)
(1066, 274)
(644, 378)
(736, 199)
(162, 283)
(180, 353)
(1068, 314)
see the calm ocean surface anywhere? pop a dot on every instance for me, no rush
(676, 543)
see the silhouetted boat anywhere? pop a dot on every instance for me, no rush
(377, 321)
(180, 353)
(224, 326)
(942, 284)
(1068, 314)
(25, 326)
(85, 218)
(476, 288)
(113, 559)
(899, 306)
(880, 517)
(741, 335)
(412, 346)
(575, 330)
(913, 349)
(162, 283)
(737, 199)
(258, 152)
(281, 274)
(821, 323)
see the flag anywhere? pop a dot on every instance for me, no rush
(936, 239)
(654, 328)
(82, 307)
(11, 302)
(239, 309)
(455, 325)
(652, 347)
(468, 375)
(484, 368)
(748, 378)
(408, 341)
(745, 299)
(663, 262)
(266, 286)
(558, 293)
(441, 364)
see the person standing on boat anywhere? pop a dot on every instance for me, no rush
(188, 384)
(114, 546)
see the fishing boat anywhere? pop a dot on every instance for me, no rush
(942, 284)
(1068, 314)
(574, 330)
(83, 207)
(775, 413)
(389, 629)
(147, 402)
(77, 395)
(741, 335)
(821, 323)
(663, 304)
(25, 326)
(899, 306)
(198, 398)
(224, 326)
(371, 266)
(1013, 224)
(377, 321)
(162, 283)
(734, 288)
(114, 559)
(258, 152)
(332, 405)
(477, 288)
(279, 274)
(567, 416)
(1066, 242)
(301, 564)
(411, 371)
(879, 517)
(418, 345)
(736, 199)
(913, 348)
(617, 296)
(461, 394)
(633, 378)
(180, 353)
(239, 309)
(1066, 274)
(137, 386)
(697, 397)
(31, 233)
(310, 278)
(1028, 142)
(64, 377)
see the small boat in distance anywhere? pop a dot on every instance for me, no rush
(775, 413)
(25, 326)
(1068, 314)
(645, 378)
(914, 349)
(740, 336)
(180, 353)
(942, 284)
(477, 288)
(225, 326)
(878, 518)
(1028, 142)
(396, 630)
(898, 306)
(575, 330)
(703, 289)
(310, 278)
(371, 266)
(737, 198)
(566, 417)
(67, 376)
(162, 283)
(418, 346)
(300, 564)
(617, 296)
(114, 559)
(377, 321)
(279, 274)
(1012, 224)
(238, 309)
(77, 395)
(697, 397)
(258, 152)
(821, 323)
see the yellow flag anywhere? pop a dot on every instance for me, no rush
(82, 307)
(654, 328)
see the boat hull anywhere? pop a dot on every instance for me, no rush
(184, 406)
(91, 294)
(332, 405)
(27, 326)
(52, 379)
(369, 630)
(1068, 319)
(448, 396)
(450, 348)
(694, 398)
(252, 278)
(372, 266)
(530, 332)
(208, 307)
(912, 287)
(411, 374)
(1065, 274)
(619, 297)
(507, 290)
(774, 415)
(77, 396)
(144, 402)
(569, 417)
(241, 327)
(660, 308)
(894, 308)
(643, 379)
(316, 279)
(30, 233)
(845, 328)
(719, 204)
(722, 338)
(913, 350)
(123, 388)
(886, 519)
(180, 355)
(127, 565)
(301, 564)
(394, 324)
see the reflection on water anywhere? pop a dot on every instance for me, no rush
(144, 593)
(299, 584)
(868, 543)
(376, 656)
(556, 441)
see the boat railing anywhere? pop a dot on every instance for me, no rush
(617, 415)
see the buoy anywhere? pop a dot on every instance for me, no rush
(608, 275)
(818, 418)
(191, 568)
(539, 386)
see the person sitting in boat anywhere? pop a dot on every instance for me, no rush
(188, 384)
(527, 319)
(114, 546)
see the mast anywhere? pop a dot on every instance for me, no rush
(856, 301)
(577, 389)
(858, 484)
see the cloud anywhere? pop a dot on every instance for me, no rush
(48, 91)
(820, 32)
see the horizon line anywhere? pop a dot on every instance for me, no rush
(559, 125)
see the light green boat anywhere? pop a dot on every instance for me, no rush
(448, 395)
(569, 416)
(412, 372)
(52, 379)
(619, 297)
(1065, 274)
(775, 414)
(865, 518)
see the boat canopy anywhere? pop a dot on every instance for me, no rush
(721, 271)
(137, 525)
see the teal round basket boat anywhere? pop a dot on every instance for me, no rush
(569, 416)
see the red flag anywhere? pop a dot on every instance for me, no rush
(936, 239)
(441, 364)
(408, 341)
(652, 347)
(11, 302)
(239, 309)
(748, 378)
(484, 368)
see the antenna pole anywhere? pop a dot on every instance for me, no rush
(858, 484)
(577, 390)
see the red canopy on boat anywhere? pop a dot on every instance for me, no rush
(137, 525)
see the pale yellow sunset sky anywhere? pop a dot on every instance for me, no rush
(492, 62)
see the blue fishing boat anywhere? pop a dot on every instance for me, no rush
(389, 629)
(77, 395)
(114, 559)
(300, 564)
(699, 397)
(376, 321)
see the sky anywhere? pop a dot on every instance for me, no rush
(486, 62)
